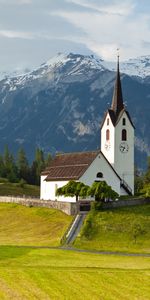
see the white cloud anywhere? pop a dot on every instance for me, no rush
(15, 2)
(115, 7)
(83, 26)
(105, 32)
(16, 34)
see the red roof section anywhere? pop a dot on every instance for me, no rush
(70, 166)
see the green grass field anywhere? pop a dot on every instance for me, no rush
(30, 273)
(35, 226)
(123, 229)
(44, 274)
(7, 188)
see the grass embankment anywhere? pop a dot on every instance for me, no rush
(121, 229)
(57, 274)
(20, 225)
(15, 189)
(34, 273)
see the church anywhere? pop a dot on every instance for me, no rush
(114, 163)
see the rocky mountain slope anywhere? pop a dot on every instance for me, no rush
(59, 106)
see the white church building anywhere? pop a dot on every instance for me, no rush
(114, 163)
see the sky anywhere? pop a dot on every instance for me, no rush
(33, 31)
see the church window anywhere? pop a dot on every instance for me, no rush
(123, 121)
(107, 121)
(107, 135)
(99, 175)
(124, 135)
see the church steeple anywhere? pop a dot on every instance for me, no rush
(117, 100)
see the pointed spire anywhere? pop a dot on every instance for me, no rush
(117, 100)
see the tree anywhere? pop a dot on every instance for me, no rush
(138, 181)
(84, 191)
(147, 174)
(2, 167)
(23, 166)
(101, 190)
(37, 167)
(71, 189)
(11, 171)
(48, 160)
(146, 190)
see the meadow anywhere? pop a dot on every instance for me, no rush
(27, 273)
(17, 189)
(32, 267)
(34, 226)
(124, 229)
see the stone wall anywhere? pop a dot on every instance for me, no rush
(130, 202)
(66, 207)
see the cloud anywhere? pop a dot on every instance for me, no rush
(16, 34)
(104, 31)
(115, 7)
(83, 26)
(15, 2)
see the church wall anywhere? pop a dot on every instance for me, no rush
(48, 190)
(101, 165)
(108, 146)
(124, 161)
(43, 188)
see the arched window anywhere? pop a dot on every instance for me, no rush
(107, 121)
(99, 175)
(107, 135)
(123, 121)
(124, 135)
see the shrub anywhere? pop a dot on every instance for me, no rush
(22, 183)
(96, 205)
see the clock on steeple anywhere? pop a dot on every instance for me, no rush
(117, 136)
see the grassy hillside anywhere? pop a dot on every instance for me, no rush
(35, 273)
(120, 229)
(66, 275)
(15, 189)
(20, 225)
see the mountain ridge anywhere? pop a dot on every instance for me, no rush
(59, 106)
(139, 66)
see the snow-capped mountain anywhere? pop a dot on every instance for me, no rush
(59, 106)
(133, 67)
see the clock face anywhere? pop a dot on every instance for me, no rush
(107, 145)
(124, 147)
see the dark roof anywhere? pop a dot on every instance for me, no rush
(117, 100)
(117, 107)
(114, 119)
(128, 115)
(70, 166)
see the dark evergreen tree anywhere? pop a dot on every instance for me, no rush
(23, 166)
(37, 167)
(2, 167)
(20, 169)
(11, 171)
(48, 160)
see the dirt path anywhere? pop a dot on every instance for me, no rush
(68, 248)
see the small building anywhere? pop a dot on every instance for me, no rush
(114, 163)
